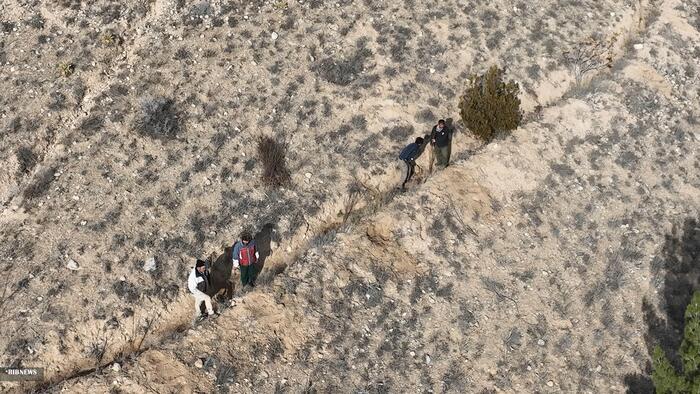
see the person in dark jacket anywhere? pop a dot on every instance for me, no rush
(245, 255)
(441, 140)
(199, 283)
(409, 154)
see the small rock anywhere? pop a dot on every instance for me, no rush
(308, 175)
(550, 383)
(273, 245)
(150, 264)
(122, 279)
(116, 367)
(432, 71)
(562, 324)
(540, 342)
(638, 46)
(207, 182)
(199, 363)
(427, 359)
(72, 265)
(413, 354)
(274, 35)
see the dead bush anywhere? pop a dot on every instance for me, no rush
(40, 184)
(272, 154)
(589, 55)
(26, 159)
(159, 118)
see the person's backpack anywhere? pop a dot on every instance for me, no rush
(408, 152)
(203, 286)
(247, 254)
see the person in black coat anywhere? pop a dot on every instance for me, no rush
(409, 154)
(441, 140)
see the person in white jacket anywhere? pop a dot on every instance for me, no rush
(198, 283)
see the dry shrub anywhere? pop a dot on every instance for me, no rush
(272, 154)
(40, 184)
(159, 118)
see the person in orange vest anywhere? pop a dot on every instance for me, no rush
(245, 255)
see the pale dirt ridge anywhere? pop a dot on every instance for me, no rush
(520, 268)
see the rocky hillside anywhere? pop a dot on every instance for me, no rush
(547, 261)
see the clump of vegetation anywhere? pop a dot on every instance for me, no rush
(272, 154)
(344, 71)
(40, 185)
(490, 106)
(159, 118)
(26, 160)
(66, 69)
(665, 377)
(110, 39)
(589, 55)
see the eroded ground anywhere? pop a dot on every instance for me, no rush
(525, 266)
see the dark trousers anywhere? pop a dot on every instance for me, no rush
(247, 274)
(442, 155)
(410, 170)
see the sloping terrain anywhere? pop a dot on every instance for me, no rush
(521, 267)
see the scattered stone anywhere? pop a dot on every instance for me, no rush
(540, 342)
(427, 359)
(116, 367)
(122, 279)
(432, 71)
(308, 175)
(413, 354)
(274, 35)
(72, 265)
(150, 264)
(638, 46)
(199, 363)
(550, 383)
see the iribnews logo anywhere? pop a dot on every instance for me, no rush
(15, 374)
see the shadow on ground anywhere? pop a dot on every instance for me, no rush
(679, 263)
